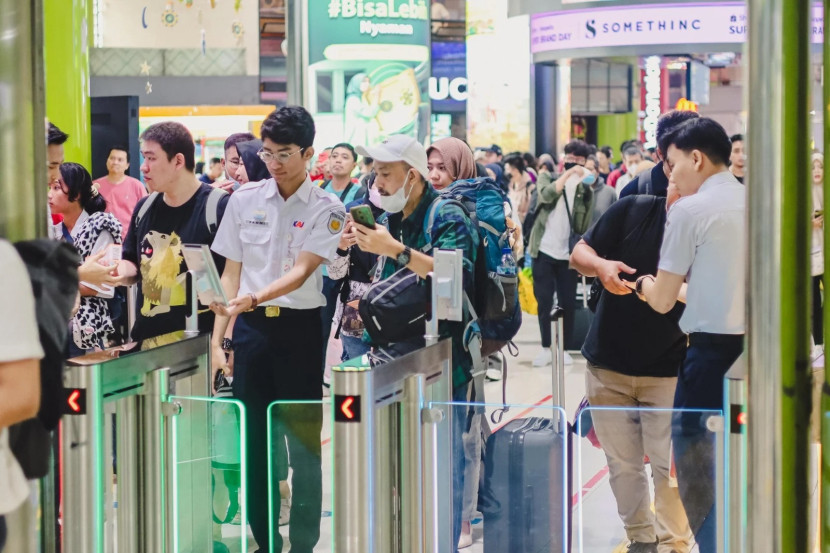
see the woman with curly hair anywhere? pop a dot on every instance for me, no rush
(86, 226)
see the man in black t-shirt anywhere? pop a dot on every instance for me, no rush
(633, 357)
(181, 210)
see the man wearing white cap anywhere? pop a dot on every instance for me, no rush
(406, 195)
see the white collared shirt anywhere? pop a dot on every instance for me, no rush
(267, 233)
(705, 240)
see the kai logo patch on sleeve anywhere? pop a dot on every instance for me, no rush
(336, 220)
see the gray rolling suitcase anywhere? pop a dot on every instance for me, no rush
(524, 465)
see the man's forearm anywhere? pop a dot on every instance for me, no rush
(584, 259)
(230, 284)
(19, 391)
(127, 272)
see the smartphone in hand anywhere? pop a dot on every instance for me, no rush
(362, 215)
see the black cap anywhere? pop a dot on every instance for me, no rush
(493, 148)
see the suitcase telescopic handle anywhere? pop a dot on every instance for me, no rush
(557, 315)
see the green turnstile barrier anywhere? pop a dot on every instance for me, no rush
(299, 479)
(208, 456)
(150, 488)
(515, 485)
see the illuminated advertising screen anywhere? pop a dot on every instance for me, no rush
(498, 65)
(648, 25)
(368, 69)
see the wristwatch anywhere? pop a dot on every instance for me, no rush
(227, 344)
(638, 286)
(403, 258)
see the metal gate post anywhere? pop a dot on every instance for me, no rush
(354, 462)
(155, 506)
(82, 443)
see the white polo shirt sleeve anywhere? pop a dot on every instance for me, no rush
(325, 233)
(227, 242)
(679, 242)
(19, 338)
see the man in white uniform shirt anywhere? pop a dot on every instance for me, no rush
(705, 246)
(20, 352)
(275, 235)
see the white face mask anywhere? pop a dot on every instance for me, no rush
(375, 197)
(397, 201)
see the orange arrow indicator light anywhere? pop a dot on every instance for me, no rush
(75, 402)
(347, 408)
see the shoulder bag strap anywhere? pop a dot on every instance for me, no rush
(145, 207)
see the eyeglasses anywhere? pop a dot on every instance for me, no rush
(281, 157)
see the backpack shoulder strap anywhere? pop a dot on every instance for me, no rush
(212, 209)
(644, 182)
(429, 221)
(638, 213)
(145, 207)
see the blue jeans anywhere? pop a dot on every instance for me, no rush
(353, 347)
(460, 424)
(330, 290)
(700, 387)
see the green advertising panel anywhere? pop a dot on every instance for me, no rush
(369, 68)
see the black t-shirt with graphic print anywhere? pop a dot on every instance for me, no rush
(627, 336)
(154, 246)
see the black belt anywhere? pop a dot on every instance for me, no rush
(708, 338)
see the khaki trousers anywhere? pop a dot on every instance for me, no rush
(629, 433)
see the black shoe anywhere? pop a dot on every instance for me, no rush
(642, 547)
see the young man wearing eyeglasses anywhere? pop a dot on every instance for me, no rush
(275, 236)
(232, 160)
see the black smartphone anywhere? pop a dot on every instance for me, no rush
(362, 215)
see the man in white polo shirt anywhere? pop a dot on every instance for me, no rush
(704, 246)
(275, 235)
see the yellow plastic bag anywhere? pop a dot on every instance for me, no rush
(526, 298)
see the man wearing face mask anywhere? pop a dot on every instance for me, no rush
(549, 242)
(632, 157)
(401, 179)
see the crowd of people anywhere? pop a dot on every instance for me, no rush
(662, 233)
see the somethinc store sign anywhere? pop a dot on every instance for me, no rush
(653, 24)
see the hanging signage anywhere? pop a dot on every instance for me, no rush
(652, 99)
(448, 84)
(368, 66)
(646, 25)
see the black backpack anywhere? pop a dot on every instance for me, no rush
(53, 272)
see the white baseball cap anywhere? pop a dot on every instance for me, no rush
(398, 147)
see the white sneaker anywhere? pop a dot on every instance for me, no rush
(494, 367)
(466, 538)
(544, 358)
(818, 355)
(285, 511)
(568, 359)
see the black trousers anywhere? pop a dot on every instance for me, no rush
(279, 358)
(700, 387)
(818, 313)
(553, 275)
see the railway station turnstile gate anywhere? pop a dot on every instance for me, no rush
(165, 444)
